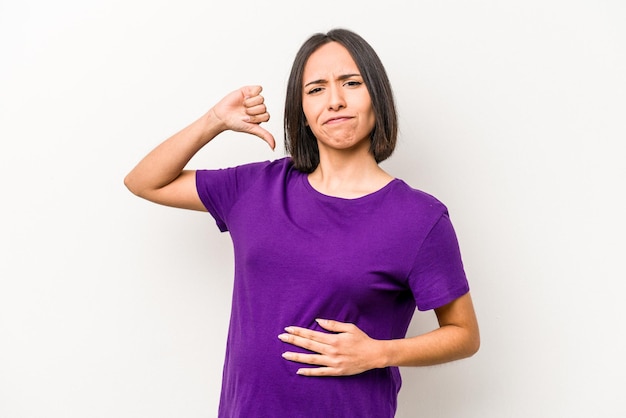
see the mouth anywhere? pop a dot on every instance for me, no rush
(337, 119)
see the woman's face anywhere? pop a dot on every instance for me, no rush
(335, 101)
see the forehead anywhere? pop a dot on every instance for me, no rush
(329, 59)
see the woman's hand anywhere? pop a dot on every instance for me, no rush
(350, 351)
(347, 351)
(242, 111)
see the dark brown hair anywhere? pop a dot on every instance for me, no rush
(300, 142)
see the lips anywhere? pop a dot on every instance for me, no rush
(337, 119)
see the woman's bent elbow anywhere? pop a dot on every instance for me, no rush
(129, 184)
(472, 344)
(132, 186)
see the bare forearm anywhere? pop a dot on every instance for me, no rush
(166, 162)
(442, 345)
(457, 337)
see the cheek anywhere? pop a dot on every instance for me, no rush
(312, 107)
(307, 114)
(372, 121)
(310, 116)
(372, 116)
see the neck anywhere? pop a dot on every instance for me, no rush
(348, 175)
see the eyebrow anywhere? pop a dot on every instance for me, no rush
(340, 78)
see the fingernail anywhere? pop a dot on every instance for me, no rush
(282, 337)
(289, 329)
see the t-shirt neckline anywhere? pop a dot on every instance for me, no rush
(329, 198)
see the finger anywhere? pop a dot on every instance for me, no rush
(251, 91)
(318, 371)
(257, 114)
(310, 334)
(335, 326)
(312, 359)
(305, 343)
(253, 101)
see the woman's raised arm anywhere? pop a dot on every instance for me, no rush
(160, 176)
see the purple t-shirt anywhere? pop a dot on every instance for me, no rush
(302, 255)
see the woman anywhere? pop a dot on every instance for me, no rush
(332, 253)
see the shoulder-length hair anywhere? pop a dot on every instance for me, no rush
(300, 142)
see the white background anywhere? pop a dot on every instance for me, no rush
(512, 113)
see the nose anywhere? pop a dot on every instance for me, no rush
(336, 99)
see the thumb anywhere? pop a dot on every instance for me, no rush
(263, 134)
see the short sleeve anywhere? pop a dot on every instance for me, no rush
(438, 276)
(220, 189)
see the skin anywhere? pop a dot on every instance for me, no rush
(338, 110)
(160, 176)
(336, 103)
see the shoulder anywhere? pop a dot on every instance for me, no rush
(268, 172)
(249, 170)
(270, 166)
(416, 199)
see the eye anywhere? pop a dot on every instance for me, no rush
(353, 83)
(314, 90)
